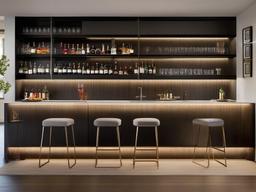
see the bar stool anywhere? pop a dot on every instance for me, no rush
(146, 122)
(58, 122)
(107, 122)
(210, 123)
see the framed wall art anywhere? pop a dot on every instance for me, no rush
(247, 51)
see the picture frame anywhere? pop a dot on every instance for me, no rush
(247, 35)
(247, 51)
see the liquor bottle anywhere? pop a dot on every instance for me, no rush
(64, 69)
(33, 48)
(47, 69)
(93, 50)
(78, 50)
(141, 69)
(83, 69)
(82, 49)
(69, 70)
(73, 51)
(98, 51)
(108, 51)
(38, 49)
(125, 72)
(43, 70)
(136, 70)
(60, 70)
(131, 50)
(101, 71)
(113, 48)
(45, 93)
(105, 70)
(110, 70)
(79, 69)
(34, 68)
(68, 49)
(26, 94)
(122, 50)
(115, 72)
(87, 48)
(154, 69)
(55, 69)
(21, 69)
(150, 70)
(96, 68)
(25, 69)
(120, 71)
(146, 68)
(92, 70)
(103, 51)
(88, 71)
(65, 50)
(74, 69)
(39, 94)
(61, 49)
(43, 49)
(30, 68)
(130, 70)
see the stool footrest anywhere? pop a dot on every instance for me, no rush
(145, 149)
(101, 149)
(145, 160)
(218, 149)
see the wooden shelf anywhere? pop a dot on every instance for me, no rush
(80, 76)
(34, 56)
(33, 76)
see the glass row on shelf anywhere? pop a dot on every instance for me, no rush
(46, 30)
(189, 71)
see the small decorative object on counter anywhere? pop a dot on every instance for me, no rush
(81, 91)
(221, 94)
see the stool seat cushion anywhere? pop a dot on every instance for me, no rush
(58, 122)
(107, 122)
(146, 122)
(210, 122)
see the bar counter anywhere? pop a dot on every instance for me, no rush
(175, 131)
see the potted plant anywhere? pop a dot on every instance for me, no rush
(4, 85)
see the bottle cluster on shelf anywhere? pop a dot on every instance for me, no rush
(36, 93)
(33, 67)
(65, 30)
(103, 69)
(35, 30)
(188, 71)
(88, 49)
(40, 48)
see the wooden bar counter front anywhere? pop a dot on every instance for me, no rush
(24, 120)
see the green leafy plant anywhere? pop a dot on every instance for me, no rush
(4, 64)
(4, 86)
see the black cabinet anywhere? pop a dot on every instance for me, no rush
(215, 27)
(111, 26)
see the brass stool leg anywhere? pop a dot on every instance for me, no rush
(135, 146)
(224, 144)
(196, 142)
(157, 150)
(119, 145)
(74, 144)
(41, 145)
(97, 145)
(66, 136)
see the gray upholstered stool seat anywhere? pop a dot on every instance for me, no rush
(58, 122)
(146, 122)
(210, 123)
(107, 122)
